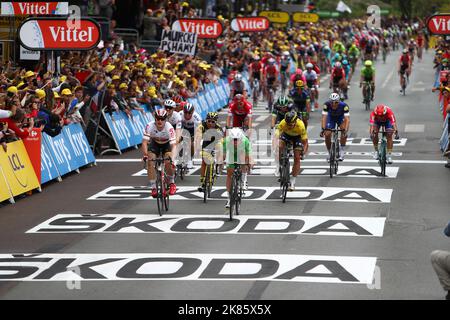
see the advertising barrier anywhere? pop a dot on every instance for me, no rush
(5, 193)
(444, 141)
(33, 145)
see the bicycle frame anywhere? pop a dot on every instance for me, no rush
(334, 150)
(382, 151)
(367, 87)
(284, 172)
(161, 184)
(210, 178)
(236, 191)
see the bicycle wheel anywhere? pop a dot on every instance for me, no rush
(336, 162)
(207, 183)
(285, 181)
(332, 159)
(166, 197)
(382, 157)
(232, 197)
(159, 198)
(239, 194)
(180, 170)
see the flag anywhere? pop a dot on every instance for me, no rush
(342, 7)
(105, 56)
(94, 102)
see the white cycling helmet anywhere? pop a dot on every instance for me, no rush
(169, 104)
(238, 77)
(236, 133)
(309, 65)
(286, 53)
(334, 97)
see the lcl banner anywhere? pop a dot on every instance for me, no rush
(34, 8)
(58, 34)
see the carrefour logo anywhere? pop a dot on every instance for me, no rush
(18, 168)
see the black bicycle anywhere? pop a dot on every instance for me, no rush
(211, 173)
(334, 151)
(403, 81)
(367, 88)
(162, 186)
(236, 192)
(285, 171)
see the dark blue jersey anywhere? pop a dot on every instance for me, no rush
(342, 109)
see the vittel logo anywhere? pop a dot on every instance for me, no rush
(252, 24)
(204, 28)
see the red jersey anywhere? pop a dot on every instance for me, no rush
(256, 66)
(271, 71)
(405, 59)
(388, 116)
(337, 73)
(420, 41)
(239, 113)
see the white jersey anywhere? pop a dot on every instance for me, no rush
(191, 123)
(310, 76)
(175, 120)
(167, 134)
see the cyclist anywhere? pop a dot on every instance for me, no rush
(209, 135)
(404, 66)
(189, 122)
(337, 79)
(270, 75)
(382, 115)
(353, 55)
(335, 112)
(284, 68)
(312, 83)
(159, 138)
(347, 70)
(385, 46)
(173, 118)
(236, 150)
(292, 130)
(300, 97)
(239, 113)
(298, 75)
(256, 68)
(412, 49)
(237, 86)
(282, 106)
(368, 75)
(369, 49)
(420, 45)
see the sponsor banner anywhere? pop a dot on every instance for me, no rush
(61, 152)
(305, 17)
(178, 42)
(204, 28)
(261, 224)
(352, 153)
(74, 134)
(29, 55)
(117, 124)
(186, 266)
(278, 17)
(305, 171)
(55, 34)
(49, 170)
(34, 8)
(18, 169)
(439, 24)
(250, 24)
(363, 195)
(33, 145)
(4, 188)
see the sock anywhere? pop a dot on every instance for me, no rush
(153, 183)
(171, 179)
(244, 177)
(292, 180)
(376, 148)
(389, 151)
(202, 180)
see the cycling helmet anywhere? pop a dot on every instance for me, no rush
(188, 108)
(299, 84)
(345, 62)
(177, 99)
(299, 72)
(337, 55)
(238, 97)
(212, 116)
(334, 97)
(161, 114)
(169, 104)
(236, 133)
(405, 51)
(380, 110)
(286, 53)
(368, 63)
(290, 117)
(271, 61)
(338, 64)
(283, 101)
(238, 77)
(309, 65)
(256, 58)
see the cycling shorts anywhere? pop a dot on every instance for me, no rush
(295, 140)
(333, 121)
(158, 148)
(387, 125)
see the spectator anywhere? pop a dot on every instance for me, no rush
(440, 260)
(151, 21)
(106, 8)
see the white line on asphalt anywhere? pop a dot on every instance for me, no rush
(388, 78)
(306, 160)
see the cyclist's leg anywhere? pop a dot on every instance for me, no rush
(372, 84)
(343, 140)
(202, 170)
(376, 129)
(390, 141)
(330, 124)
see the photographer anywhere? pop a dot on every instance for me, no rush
(440, 260)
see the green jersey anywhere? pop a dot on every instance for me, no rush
(368, 73)
(232, 152)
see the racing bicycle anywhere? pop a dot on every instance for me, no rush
(334, 151)
(285, 172)
(367, 89)
(237, 191)
(382, 152)
(162, 186)
(255, 92)
(211, 173)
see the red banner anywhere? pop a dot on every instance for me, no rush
(439, 24)
(204, 28)
(34, 8)
(33, 145)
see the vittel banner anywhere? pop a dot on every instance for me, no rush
(250, 24)
(204, 28)
(59, 34)
(34, 8)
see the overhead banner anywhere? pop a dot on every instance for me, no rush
(204, 28)
(305, 17)
(34, 8)
(18, 169)
(54, 34)
(250, 24)
(439, 24)
(276, 16)
(178, 42)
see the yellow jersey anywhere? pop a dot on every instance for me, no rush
(298, 130)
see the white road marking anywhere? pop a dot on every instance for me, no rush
(305, 160)
(388, 78)
(415, 128)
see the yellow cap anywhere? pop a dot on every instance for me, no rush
(168, 72)
(21, 83)
(148, 73)
(40, 93)
(111, 86)
(63, 78)
(123, 86)
(66, 92)
(109, 68)
(299, 83)
(56, 95)
(116, 77)
(185, 4)
(126, 68)
(28, 74)
(12, 89)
